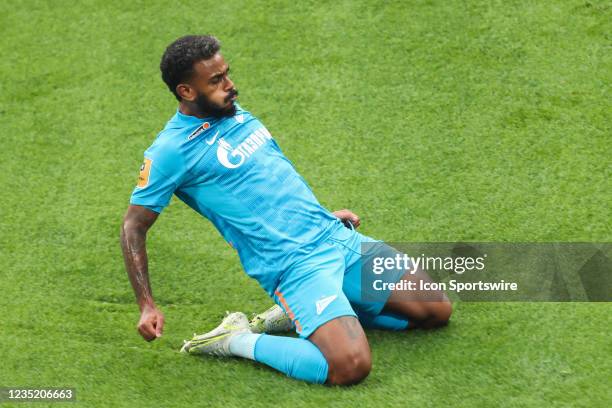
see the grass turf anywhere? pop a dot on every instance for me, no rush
(435, 121)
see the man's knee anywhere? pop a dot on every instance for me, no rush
(439, 314)
(346, 349)
(349, 368)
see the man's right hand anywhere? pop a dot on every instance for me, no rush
(151, 324)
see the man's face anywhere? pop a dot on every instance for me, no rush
(211, 88)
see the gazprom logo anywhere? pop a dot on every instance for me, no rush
(233, 158)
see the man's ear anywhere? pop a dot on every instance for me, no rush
(186, 92)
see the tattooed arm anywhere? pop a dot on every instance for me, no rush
(134, 229)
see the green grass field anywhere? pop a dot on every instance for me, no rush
(432, 120)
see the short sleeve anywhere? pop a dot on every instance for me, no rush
(159, 177)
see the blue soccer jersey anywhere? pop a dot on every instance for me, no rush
(231, 171)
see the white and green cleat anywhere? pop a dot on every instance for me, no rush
(273, 320)
(216, 342)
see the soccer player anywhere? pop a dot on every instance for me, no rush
(222, 162)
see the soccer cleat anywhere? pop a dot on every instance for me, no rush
(216, 342)
(273, 320)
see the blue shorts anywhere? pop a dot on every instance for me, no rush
(326, 284)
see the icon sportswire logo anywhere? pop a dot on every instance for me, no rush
(233, 158)
(323, 303)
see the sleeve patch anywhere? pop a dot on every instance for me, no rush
(145, 171)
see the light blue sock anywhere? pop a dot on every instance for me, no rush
(384, 321)
(297, 358)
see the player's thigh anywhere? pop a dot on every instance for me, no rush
(365, 297)
(311, 292)
(370, 294)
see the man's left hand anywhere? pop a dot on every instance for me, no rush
(347, 216)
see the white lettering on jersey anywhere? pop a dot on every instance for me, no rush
(233, 158)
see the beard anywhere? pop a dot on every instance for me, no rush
(206, 106)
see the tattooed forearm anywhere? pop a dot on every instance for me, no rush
(133, 243)
(136, 263)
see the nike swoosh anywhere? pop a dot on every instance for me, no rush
(212, 139)
(323, 303)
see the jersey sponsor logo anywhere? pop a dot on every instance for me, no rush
(233, 158)
(239, 118)
(212, 139)
(323, 303)
(198, 131)
(145, 171)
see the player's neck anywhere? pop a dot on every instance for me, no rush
(188, 110)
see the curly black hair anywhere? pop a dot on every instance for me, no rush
(177, 62)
